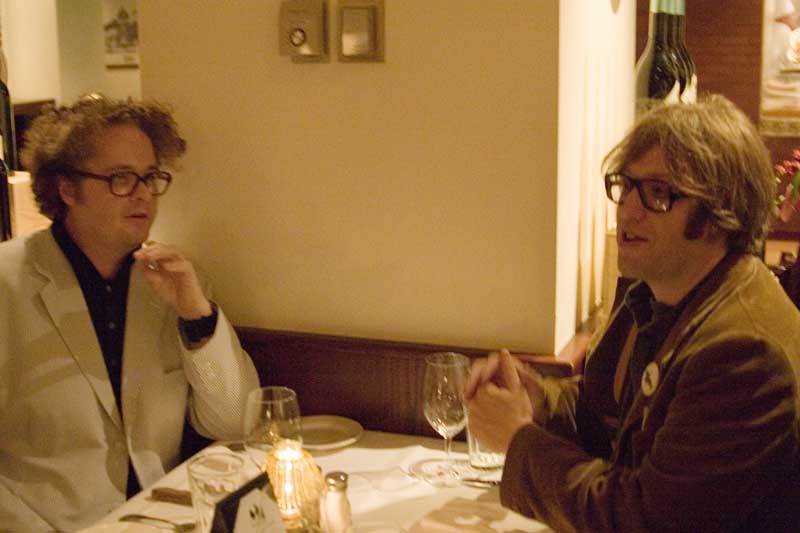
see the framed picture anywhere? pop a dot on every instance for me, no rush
(121, 33)
(779, 110)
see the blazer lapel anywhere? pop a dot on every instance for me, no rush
(143, 323)
(699, 306)
(64, 301)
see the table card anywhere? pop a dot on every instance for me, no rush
(249, 510)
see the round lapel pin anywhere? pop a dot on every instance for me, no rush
(650, 379)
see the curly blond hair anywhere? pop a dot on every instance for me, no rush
(713, 153)
(62, 138)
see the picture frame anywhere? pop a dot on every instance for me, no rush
(779, 106)
(121, 34)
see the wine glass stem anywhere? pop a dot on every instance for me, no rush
(447, 445)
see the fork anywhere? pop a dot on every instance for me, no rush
(479, 482)
(162, 523)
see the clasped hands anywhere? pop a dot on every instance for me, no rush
(502, 394)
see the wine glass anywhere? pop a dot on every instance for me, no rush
(443, 386)
(271, 414)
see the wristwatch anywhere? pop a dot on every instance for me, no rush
(193, 331)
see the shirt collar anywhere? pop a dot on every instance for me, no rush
(81, 264)
(646, 310)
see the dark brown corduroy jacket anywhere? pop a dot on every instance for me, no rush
(713, 447)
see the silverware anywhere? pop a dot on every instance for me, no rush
(162, 523)
(479, 482)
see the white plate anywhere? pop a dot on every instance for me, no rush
(326, 432)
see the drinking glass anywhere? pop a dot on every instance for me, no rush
(443, 386)
(271, 414)
(482, 458)
(212, 476)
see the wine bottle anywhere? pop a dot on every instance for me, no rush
(9, 153)
(659, 76)
(689, 94)
(7, 128)
(5, 204)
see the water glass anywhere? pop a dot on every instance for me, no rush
(480, 457)
(212, 476)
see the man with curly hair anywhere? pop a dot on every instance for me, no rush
(687, 416)
(108, 342)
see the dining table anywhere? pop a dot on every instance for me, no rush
(385, 489)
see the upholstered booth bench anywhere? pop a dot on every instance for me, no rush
(376, 382)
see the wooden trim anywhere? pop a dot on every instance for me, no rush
(785, 235)
(376, 382)
(30, 108)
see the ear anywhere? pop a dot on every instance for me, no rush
(68, 190)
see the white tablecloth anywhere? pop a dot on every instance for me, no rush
(383, 490)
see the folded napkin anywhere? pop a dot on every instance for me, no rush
(462, 515)
(170, 495)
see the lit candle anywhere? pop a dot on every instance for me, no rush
(296, 482)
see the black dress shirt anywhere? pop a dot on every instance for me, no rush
(654, 320)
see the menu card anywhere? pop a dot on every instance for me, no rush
(250, 509)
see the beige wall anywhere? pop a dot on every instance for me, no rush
(410, 200)
(80, 47)
(30, 43)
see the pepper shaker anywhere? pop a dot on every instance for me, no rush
(334, 513)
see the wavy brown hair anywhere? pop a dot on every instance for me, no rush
(714, 154)
(64, 137)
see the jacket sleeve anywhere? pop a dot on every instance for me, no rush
(220, 375)
(561, 398)
(726, 434)
(16, 515)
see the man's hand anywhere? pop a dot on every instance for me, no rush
(487, 371)
(497, 406)
(173, 278)
(482, 371)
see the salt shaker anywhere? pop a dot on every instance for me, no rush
(334, 506)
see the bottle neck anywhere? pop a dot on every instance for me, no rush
(660, 29)
(680, 30)
(667, 21)
(672, 7)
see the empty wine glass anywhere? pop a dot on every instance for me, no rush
(271, 414)
(445, 374)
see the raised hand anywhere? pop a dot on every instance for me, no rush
(173, 278)
(498, 401)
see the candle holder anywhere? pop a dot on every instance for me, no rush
(297, 483)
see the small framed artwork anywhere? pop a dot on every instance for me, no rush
(121, 34)
(780, 69)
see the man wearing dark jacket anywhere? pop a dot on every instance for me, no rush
(687, 417)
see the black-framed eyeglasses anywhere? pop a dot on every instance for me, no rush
(656, 195)
(123, 183)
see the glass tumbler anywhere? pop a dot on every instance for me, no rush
(212, 476)
(480, 457)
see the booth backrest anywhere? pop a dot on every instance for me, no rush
(376, 382)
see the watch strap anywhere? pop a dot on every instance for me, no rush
(193, 331)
